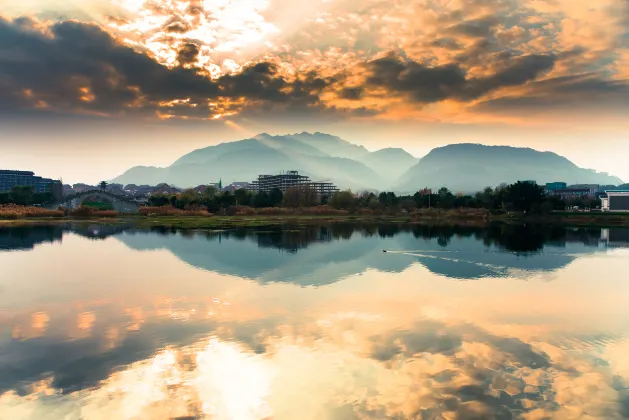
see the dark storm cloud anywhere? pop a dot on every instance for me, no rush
(563, 93)
(78, 55)
(423, 84)
(478, 28)
(69, 66)
(432, 84)
(176, 24)
(79, 66)
(448, 43)
(176, 27)
(188, 53)
(519, 71)
(353, 93)
(257, 81)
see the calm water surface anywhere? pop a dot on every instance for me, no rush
(101, 322)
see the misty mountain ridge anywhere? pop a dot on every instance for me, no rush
(468, 167)
(460, 167)
(319, 156)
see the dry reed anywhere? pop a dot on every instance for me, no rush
(13, 211)
(171, 211)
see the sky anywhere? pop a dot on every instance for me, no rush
(91, 88)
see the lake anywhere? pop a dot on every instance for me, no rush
(112, 322)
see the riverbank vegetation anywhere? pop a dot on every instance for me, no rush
(522, 197)
(186, 219)
(25, 196)
(14, 211)
(516, 203)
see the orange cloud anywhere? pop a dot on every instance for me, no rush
(271, 57)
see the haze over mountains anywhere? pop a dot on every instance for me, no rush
(460, 167)
(469, 167)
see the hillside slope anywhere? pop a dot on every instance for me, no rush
(264, 154)
(390, 163)
(471, 167)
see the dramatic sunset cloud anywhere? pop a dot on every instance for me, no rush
(215, 58)
(248, 66)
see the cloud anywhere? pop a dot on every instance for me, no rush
(478, 28)
(188, 54)
(577, 93)
(433, 84)
(352, 93)
(57, 64)
(207, 59)
(73, 66)
(445, 369)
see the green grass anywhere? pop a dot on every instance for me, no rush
(228, 222)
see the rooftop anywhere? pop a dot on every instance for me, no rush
(12, 172)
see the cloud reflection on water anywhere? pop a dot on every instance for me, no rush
(396, 343)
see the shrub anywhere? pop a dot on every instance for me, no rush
(105, 213)
(240, 211)
(274, 211)
(87, 212)
(13, 211)
(324, 210)
(81, 212)
(365, 212)
(171, 211)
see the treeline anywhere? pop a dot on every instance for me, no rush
(520, 197)
(26, 196)
(214, 200)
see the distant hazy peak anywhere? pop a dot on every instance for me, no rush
(497, 148)
(469, 167)
(392, 151)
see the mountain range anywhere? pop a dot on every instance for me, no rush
(460, 167)
(469, 167)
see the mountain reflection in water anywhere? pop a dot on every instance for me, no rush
(324, 254)
(108, 321)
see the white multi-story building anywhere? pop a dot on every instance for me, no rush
(615, 201)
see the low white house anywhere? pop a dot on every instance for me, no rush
(615, 201)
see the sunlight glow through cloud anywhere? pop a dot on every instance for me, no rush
(227, 33)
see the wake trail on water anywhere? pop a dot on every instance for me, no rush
(496, 269)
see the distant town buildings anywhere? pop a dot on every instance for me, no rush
(594, 188)
(568, 194)
(237, 186)
(10, 179)
(615, 201)
(291, 179)
(132, 191)
(565, 192)
(554, 186)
